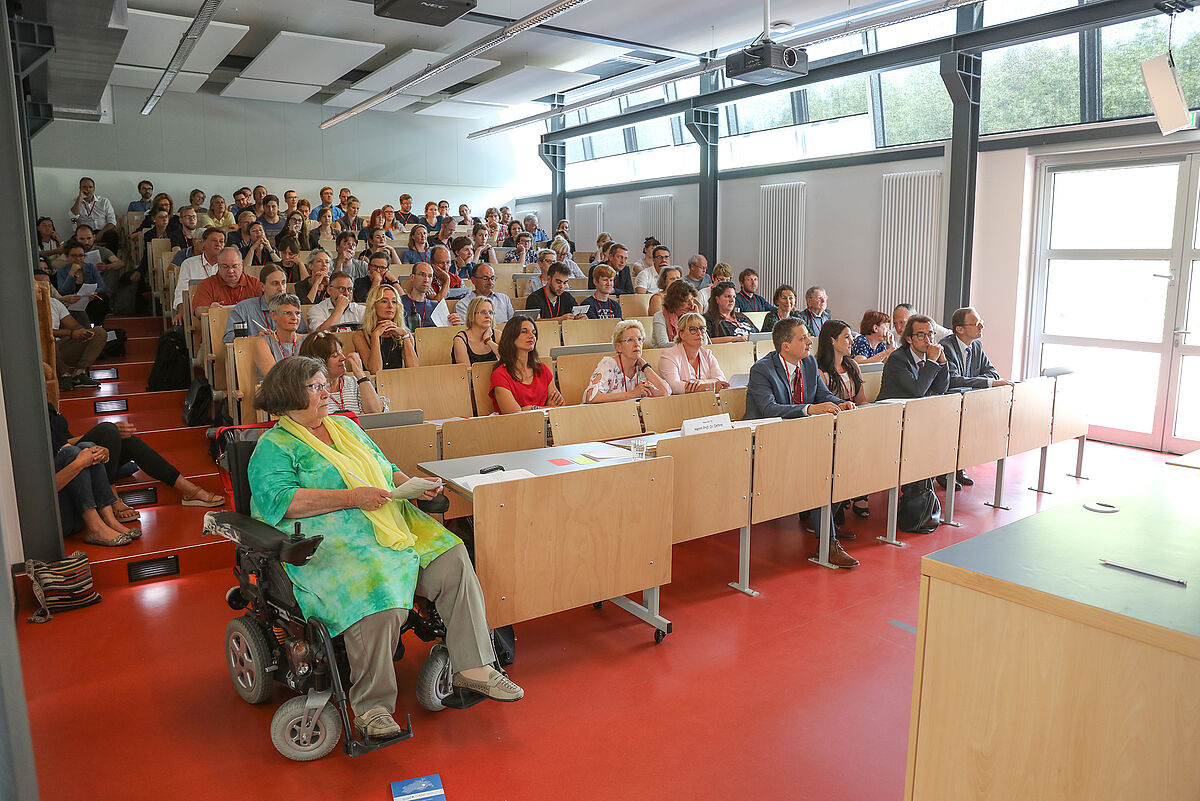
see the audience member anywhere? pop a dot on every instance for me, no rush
(260, 250)
(970, 367)
(72, 277)
(49, 244)
(314, 287)
(688, 366)
(101, 257)
(432, 221)
(786, 384)
(284, 340)
(443, 208)
(357, 395)
(405, 216)
(289, 259)
(523, 252)
(86, 497)
(666, 277)
(252, 315)
(626, 375)
(562, 252)
(344, 198)
(603, 239)
(185, 235)
(482, 245)
(725, 322)
(647, 261)
(720, 272)
(464, 216)
(815, 314)
(338, 311)
(478, 342)
(296, 227)
(747, 298)
(96, 211)
(505, 216)
(240, 238)
(553, 301)
(291, 203)
(521, 382)
(697, 274)
(377, 220)
(142, 204)
(646, 281)
(874, 342)
(324, 230)
(563, 229)
(531, 226)
(918, 368)
(514, 231)
(418, 305)
(383, 342)
(349, 221)
(344, 259)
(785, 307)
(260, 199)
(198, 268)
(228, 287)
(491, 223)
(484, 281)
(158, 229)
(242, 202)
(545, 258)
(377, 241)
(305, 208)
(445, 233)
(379, 271)
(418, 246)
(217, 216)
(900, 316)
(464, 257)
(77, 347)
(678, 299)
(840, 373)
(327, 203)
(601, 304)
(443, 279)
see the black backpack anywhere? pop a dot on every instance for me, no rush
(198, 403)
(172, 367)
(920, 511)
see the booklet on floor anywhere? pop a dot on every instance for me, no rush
(426, 787)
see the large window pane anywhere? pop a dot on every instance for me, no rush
(1126, 207)
(852, 43)
(839, 98)
(1121, 385)
(829, 138)
(764, 112)
(1187, 406)
(997, 11)
(916, 107)
(1120, 300)
(1193, 310)
(654, 133)
(1033, 85)
(921, 29)
(1126, 46)
(607, 143)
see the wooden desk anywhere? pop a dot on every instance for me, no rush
(1042, 674)
(534, 560)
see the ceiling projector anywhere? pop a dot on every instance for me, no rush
(427, 12)
(766, 63)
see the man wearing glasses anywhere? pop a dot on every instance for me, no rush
(484, 280)
(379, 271)
(918, 368)
(338, 312)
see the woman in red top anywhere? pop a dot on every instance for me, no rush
(521, 382)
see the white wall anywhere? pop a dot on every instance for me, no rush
(219, 144)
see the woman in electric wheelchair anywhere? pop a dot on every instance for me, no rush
(325, 472)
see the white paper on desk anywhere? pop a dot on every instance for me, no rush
(757, 421)
(739, 380)
(415, 487)
(602, 454)
(441, 314)
(85, 293)
(579, 310)
(469, 483)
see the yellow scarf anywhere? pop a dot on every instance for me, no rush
(352, 460)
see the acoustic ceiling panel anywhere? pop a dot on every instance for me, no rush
(307, 59)
(348, 98)
(413, 63)
(279, 92)
(461, 110)
(527, 83)
(153, 38)
(147, 78)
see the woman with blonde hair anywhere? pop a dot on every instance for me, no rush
(384, 343)
(217, 216)
(627, 375)
(688, 366)
(562, 250)
(601, 241)
(478, 342)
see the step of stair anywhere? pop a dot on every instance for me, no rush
(73, 406)
(136, 326)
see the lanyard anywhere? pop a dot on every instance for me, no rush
(341, 389)
(624, 380)
(554, 310)
(752, 300)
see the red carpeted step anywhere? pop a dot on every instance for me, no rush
(77, 405)
(130, 371)
(149, 420)
(107, 389)
(186, 448)
(151, 326)
(141, 349)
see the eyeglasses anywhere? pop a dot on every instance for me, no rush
(288, 313)
(318, 387)
(336, 288)
(694, 329)
(922, 335)
(631, 340)
(491, 279)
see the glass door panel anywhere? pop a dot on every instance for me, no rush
(1187, 408)
(1133, 295)
(1115, 208)
(1121, 384)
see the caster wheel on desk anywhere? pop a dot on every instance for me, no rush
(659, 636)
(597, 604)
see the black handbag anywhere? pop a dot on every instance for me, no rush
(920, 511)
(198, 403)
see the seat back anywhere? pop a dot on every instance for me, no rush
(500, 433)
(441, 391)
(242, 381)
(594, 421)
(573, 374)
(212, 328)
(434, 344)
(732, 401)
(667, 414)
(407, 446)
(481, 387)
(635, 306)
(734, 357)
(587, 332)
(757, 318)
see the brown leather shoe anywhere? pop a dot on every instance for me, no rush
(839, 557)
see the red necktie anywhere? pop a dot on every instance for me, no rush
(798, 385)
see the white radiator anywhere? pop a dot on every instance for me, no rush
(781, 235)
(587, 222)
(658, 219)
(910, 242)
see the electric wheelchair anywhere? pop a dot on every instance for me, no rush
(272, 641)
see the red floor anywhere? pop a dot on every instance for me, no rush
(801, 693)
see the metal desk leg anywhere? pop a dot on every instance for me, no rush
(825, 533)
(951, 483)
(1079, 460)
(743, 582)
(646, 611)
(997, 502)
(893, 515)
(1041, 485)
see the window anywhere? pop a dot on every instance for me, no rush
(841, 98)
(1033, 85)
(921, 29)
(759, 113)
(1123, 49)
(997, 11)
(916, 107)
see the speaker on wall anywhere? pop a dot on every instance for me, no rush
(1166, 94)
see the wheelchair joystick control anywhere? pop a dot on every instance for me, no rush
(296, 535)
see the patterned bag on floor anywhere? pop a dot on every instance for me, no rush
(62, 585)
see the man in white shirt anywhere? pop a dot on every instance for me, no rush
(338, 309)
(484, 281)
(197, 268)
(96, 211)
(646, 282)
(76, 345)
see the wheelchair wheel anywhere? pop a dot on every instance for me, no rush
(248, 656)
(433, 679)
(287, 734)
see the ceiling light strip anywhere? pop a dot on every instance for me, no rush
(470, 51)
(888, 14)
(186, 44)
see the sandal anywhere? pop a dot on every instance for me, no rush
(203, 497)
(124, 539)
(127, 515)
(863, 511)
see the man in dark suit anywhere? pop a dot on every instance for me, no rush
(918, 367)
(970, 367)
(785, 384)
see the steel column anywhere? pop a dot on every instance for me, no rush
(554, 154)
(961, 75)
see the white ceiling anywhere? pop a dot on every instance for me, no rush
(147, 78)
(461, 110)
(303, 48)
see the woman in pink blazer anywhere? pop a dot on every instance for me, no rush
(688, 366)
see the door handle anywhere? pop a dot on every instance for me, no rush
(1168, 276)
(1183, 332)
